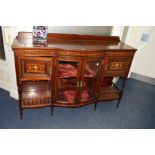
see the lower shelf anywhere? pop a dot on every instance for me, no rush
(35, 94)
(109, 93)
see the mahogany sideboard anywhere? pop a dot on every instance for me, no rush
(71, 70)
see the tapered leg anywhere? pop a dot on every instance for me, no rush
(20, 112)
(95, 105)
(20, 109)
(52, 110)
(118, 103)
(121, 93)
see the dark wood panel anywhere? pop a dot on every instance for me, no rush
(117, 66)
(35, 68)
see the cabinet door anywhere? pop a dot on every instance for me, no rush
(117, 66)
(89, 80)
(34, 68)
(67, 77)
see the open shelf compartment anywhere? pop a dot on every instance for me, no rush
(35, 93)
(111, 92)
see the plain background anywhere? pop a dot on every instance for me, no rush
(77, 13)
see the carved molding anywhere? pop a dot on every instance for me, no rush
(72, 53)
(60, 53)
(79, 53)
(35, 52)
(119, 53)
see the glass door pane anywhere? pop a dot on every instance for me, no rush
(89, 80)
(67, 81)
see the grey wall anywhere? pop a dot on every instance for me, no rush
(94, 30)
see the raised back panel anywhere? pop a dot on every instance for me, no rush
(83, 37)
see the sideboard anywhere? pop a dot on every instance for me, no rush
(70, 70)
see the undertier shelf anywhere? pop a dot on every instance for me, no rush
(39, 102)
(35, 93)
(109, 93)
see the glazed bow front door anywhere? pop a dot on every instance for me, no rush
(76, 80)
(89, 80)
(67, 77)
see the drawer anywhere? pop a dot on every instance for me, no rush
(117, 66)
(35, 68)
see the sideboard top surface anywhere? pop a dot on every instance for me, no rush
(71, 42)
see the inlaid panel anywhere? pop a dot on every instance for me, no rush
(117, 66)
(38, 68)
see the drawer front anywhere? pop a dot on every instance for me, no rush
(117, 66)
(35, 68)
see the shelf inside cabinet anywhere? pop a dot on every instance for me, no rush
(67, 82)
(68, 95)
(86, 94)
(68, 70)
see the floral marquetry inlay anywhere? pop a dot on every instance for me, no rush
(116, 65)
(35, 68)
